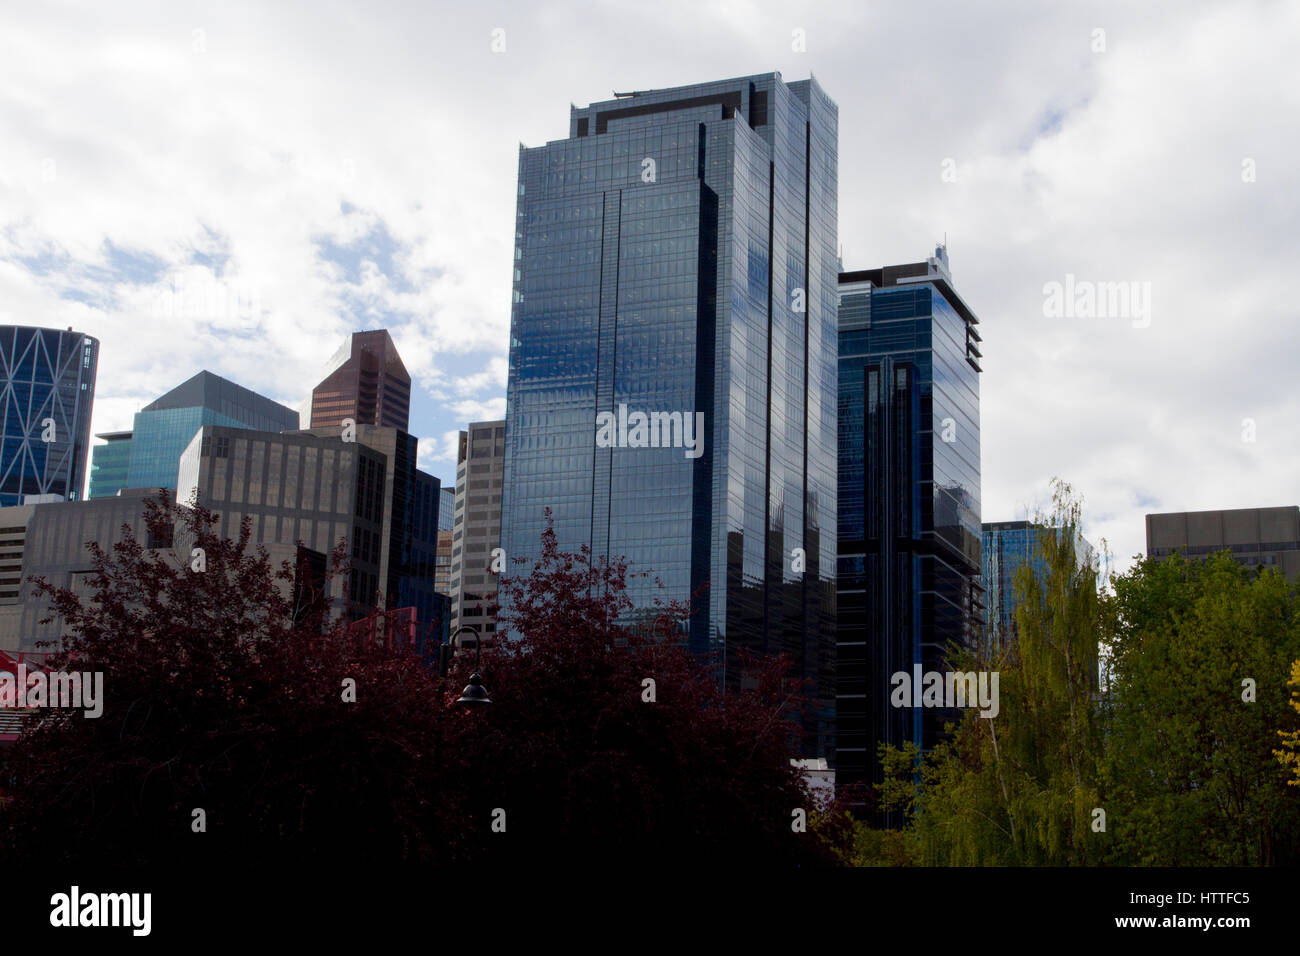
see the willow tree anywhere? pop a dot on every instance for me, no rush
(1020, 788)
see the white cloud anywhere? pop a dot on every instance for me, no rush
(291, 124)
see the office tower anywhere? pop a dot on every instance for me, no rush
(442, 582)
(366, 382)
(1267, 537)
(447, 509)
(47, 388)
(1006, 547)
(909, 498)
(164, 428)
(110, 464)
(480, 461)
(314, 487)
(442, 576)
(671, 391)
(415, 567)
(49, 540)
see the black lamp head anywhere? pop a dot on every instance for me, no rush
(474, 692)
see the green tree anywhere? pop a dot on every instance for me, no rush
(1289, 755)
(1200, 653)
(1020, 788)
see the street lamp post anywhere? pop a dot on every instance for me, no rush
(474, 692)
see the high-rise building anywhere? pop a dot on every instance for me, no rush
(313, 487)
(304, 493)
(49, 540)
(442, 582)
(366, 382)
(47, 389)
(1267, 537)
(447, 509)
(1006, 547)
(442, 576)
(671, 391)
(909, 498)
(110, 464)
(414, 569)
(164, 428)
(476, 531)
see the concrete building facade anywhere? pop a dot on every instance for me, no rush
(50, 540)
(477, 526)
(1267, 537)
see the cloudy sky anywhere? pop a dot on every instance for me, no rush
(237, 186)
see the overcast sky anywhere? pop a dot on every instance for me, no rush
(237, 186)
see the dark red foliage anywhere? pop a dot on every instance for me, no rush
(585, 766)
(216, 698)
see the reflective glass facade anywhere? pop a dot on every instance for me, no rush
(158, 439)
(446, 509)
(414, 567)
(909, 497)
(110, 465)
(163, 429)
(675, 255)
(314, 489)
(1007, 545)
(366, 382)
(47, 388)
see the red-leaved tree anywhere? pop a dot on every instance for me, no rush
(615, 743)
(228, 704)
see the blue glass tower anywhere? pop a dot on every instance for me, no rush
(675, 283)
(47, 389)
(909, 496)
(413, 560)
(165, 427)
(446, 509)
(1006, 547)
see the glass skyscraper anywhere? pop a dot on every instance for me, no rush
(909, 498)
(446, 509)
(364, 381)
(110, 464)
(1008, 545)
(672, 370)
(47, 389)
(163, 429)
